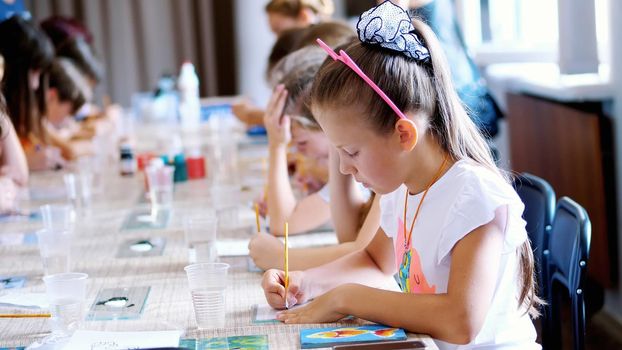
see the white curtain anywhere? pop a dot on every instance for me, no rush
(138, 40)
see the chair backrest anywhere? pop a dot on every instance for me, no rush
(569, 248)
(569, 244)
(539, 199)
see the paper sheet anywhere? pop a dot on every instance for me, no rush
(34, 300)
(96, 340)
(232, 247)
(312, 239)
(263, 313)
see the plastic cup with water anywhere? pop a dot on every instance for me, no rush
(201, 236)
(58, 217)
(160, 181)
(79, 187)
(66, 294)
(208, 282)
(55, 250)
(225, 199)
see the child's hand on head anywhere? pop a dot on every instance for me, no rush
(273, 284)
(277, 124)
(266, 250)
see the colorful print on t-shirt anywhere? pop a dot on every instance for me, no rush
(410, 272)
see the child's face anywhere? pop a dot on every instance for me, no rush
(56, 110)
(280, 23)
(312, 144)
(373, 159)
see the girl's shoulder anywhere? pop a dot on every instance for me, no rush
(470, 178)
(476, 193)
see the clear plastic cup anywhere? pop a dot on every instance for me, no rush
(66, 294)
(208, 282)
(225, 195)
(201, 236)
(93, 165)
(225, 199)
(79, 187)
(55, 249)
(228, 218)
(58, 217)
(160, 181)
(223, 160)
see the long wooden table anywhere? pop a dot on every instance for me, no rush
(169, 305)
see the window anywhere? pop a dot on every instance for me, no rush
(510, 30)
(521, 30)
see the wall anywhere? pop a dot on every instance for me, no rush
(253, 43)
(613, 300)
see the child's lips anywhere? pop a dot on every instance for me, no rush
(365, 184)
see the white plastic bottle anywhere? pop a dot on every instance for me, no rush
(189, 104)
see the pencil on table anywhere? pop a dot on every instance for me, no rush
(257, 217)
(286, 266)
(24, 315)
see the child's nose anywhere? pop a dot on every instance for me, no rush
(346, 167)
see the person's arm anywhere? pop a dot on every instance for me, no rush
(44, 157)
(247, 113)
(310, 212)
(70, 150)
(346, 200)
(8, 194)
(280, 197)
(372, 266)
(267, 250)
(456, 316)
(13, 161)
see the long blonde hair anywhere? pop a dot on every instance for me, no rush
(292, 8)
(416, 87)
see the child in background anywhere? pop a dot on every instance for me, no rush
(27, 54)
(312, 211)
(451, 224)
(74, 41)
(288, 14)
(288, 106)
(13, 165)
(71, 39)
(333, 33)
(68, 91)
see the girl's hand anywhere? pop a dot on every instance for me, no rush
(277, 124)
(266, 251)
(323, 309)
(262, 206)
(273, 284)
(44, 158)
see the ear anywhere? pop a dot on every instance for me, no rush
(52, 95)
(408, 134)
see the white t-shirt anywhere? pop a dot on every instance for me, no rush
(463, 199)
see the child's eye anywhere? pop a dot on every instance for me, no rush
(351, 154)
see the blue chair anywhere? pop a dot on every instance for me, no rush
(566, 266)
(539, 199)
